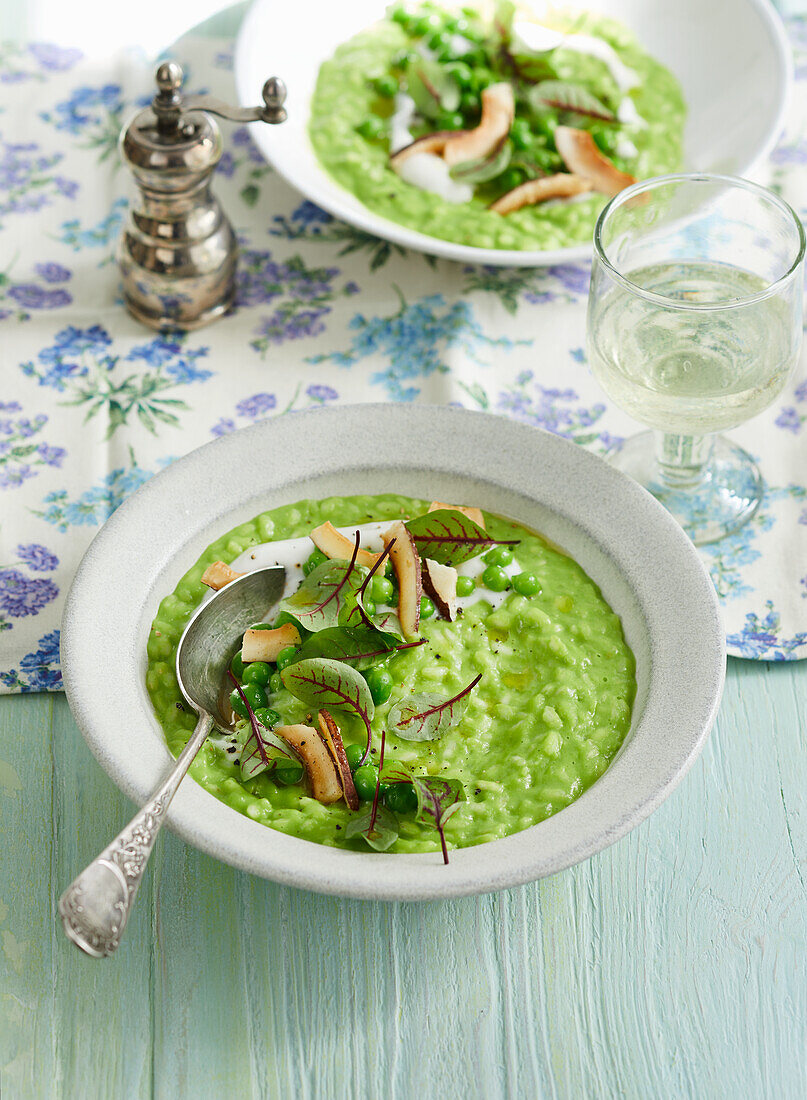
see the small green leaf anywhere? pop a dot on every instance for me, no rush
(324, 594)
(438, 800)
(485, 168)
(428, 715)
(261, 749)
(562, 95)
(326, 683)
(432, 88)
(250, 194)
(450, 537)
(383, 833)
(338, 643)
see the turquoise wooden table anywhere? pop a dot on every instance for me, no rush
(671, 965)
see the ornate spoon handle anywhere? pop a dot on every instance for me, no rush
(96, 905)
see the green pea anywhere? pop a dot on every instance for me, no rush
(495, 578)
(605, 139)
(267, 717)
(382, 590)
(465, 586)
(369, 606)
(427, 607)
(546, 124)
(286, 775)
(275, 682)
(237, 666)
(461, 74)
(317, 558)
(354, 753)
(483, 77)
(469, 103)
(371, 128)
(450, 120)
(286, 657)
(379, 682)
(401, 798)
(499, 555)
(438, 41)
(405, 59)
(513, 177)
(255, 696)
(366, 779)
(258, 672)
(386, 86)
(521, 134)
(526, 584)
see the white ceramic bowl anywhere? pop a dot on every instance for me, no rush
(646, 567)
(731, 57)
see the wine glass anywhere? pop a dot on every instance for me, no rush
(694, 326)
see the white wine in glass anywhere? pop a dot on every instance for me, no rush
(695, 322)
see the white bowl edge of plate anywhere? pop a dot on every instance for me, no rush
(647, 569)
(753, 75)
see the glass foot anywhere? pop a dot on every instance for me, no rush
(725, 497)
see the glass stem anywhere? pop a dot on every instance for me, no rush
(683, 460)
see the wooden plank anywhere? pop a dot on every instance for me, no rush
(670, 965)
(102, 1021)
(26, 983)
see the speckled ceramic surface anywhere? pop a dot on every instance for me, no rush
(645, 566)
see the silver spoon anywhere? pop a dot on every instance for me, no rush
(95, 906)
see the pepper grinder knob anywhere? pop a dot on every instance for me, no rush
(274, 96)
(178, 252)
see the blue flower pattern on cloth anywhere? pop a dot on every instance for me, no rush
(92, 404)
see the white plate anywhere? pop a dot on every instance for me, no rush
(646, 567)
(731, 57)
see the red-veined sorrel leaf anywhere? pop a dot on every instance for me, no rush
(324, 593)
(359, 646)
(380, 833)
(256, 746)
(450, 537)
(325, 683)
(565, 96)
(427, 715)
(438, 799)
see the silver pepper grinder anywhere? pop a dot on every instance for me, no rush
(178, 252)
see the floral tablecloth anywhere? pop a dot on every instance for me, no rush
(92, 404)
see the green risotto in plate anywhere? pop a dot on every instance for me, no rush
(494, 130)
(434, 677)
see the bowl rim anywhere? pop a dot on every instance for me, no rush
(338, 201)
(614, 519)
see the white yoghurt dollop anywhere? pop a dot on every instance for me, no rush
(537, 37)
(400, 122)
(431, 173)
(292, 553)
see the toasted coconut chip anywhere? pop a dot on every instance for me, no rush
(498, 112)
(406, 562)
(317, 760)
(440, 583)
(581, 156)
(329, 731)
(472, 513)
(265, 645)
(561, 186)
(219, 574)
(429, 143)
(334, 544)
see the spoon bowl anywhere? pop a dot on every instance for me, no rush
(213, 634)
